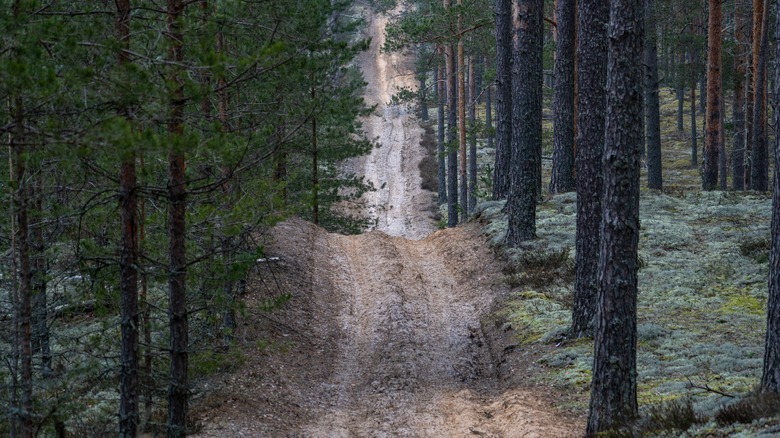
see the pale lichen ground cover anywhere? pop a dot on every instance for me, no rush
(702, 291)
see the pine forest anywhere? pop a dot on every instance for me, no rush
(380, 218)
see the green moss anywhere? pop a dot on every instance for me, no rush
(741, 304)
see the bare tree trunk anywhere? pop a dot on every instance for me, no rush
(178, 391)
(472, 135)
(464, 190)
(489, 111)
(652, 101)
(527, 34)
(503, 99)
(24, 308)
(40, 327)
(441, 80)
(591, 104)
(694, 133)
(613, 402)
(759, 169)
(128, 284)
(562, 179)
(713, 129)
(770, 377)
(452, 153)
(740, 74)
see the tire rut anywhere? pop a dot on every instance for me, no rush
(406, 328)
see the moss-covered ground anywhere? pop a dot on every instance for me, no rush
(702, 292)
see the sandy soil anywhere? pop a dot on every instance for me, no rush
(382, 336)
(399, 205)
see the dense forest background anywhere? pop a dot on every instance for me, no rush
(150, 145)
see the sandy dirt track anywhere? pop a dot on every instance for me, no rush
(382, 336)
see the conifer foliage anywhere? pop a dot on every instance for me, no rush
(148, 144)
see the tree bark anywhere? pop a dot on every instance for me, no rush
(713, 128)
(759, 165)
(423, 89)
(651, 101)
(613, 390)
(591, 107)
(740, 75)
(694, 133)
(527, 36)
(40, 327)
(770, 376)
(489, 112)
(25, 414)
(563, 100)
(440, 79)
(503, 99)
(128, 284)
(452, 151)
(464, 189)
(472, 136)
(178, 390)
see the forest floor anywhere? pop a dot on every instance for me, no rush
(387, 333)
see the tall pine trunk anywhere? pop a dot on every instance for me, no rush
(489, 112)
(759, 168)
(472, 136)
(740, 75)
(178, 389)
(440, 79)
(452, 151)
(128, 284)
(694, 132)
(562, 179)
(463, 168)
(24, 414)
(770, 377)
(613, 401)
(651, 101)
(591, 107)
(503, 99)
(713, 127)
(527, 34)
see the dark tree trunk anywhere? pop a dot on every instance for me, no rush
(441, 97)
(472, 136)
(722, 157)
(680, 92)
(503, 99)
(423, 91)
(463, 167)
(527, 34)
(591, 107)
(178, 389)
(651, 101)
(315, 167)
(713, 128)
(563, 101)
(25, 413)
(694, 133)
(740, 75)
(613, 390)
(703, 93)
(770, 377)
(452, 150)
(759, 168)
(489, 113)
(40, 327)
(128, 283)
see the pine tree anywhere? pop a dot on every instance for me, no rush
(613, 400)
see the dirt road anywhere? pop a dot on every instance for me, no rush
(382, 337)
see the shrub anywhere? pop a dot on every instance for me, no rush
(749, 408)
